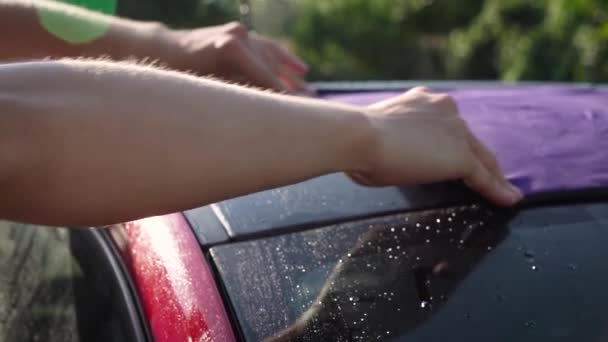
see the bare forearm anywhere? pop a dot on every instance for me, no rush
(33, 29)
(91, 142)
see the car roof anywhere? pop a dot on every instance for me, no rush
(549, 139)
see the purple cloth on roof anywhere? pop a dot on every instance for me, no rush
(547, 138)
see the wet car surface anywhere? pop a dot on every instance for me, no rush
(467, 272)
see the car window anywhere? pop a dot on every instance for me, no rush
(55, 285)
(467, 273)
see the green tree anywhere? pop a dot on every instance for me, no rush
(560, 40)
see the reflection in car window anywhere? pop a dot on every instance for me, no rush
(468, 273)
(53, 287)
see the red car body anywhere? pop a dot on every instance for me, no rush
(174, 283)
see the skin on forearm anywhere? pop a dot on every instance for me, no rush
(88, 143)
(34, 29)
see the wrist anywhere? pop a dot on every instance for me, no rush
(362, 138)
(149, 40)
(141, 40)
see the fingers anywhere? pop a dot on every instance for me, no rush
(495, 188)
(281, 54)
(360, 179)
(486, 157)
(295, 83)
(254, 68)
(290, 60)
(281, 62)
(444, 102)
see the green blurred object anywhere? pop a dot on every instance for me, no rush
(542, 40)
(551, 40)
(73, 28)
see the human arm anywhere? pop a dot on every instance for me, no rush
(89, 143)
(37, 29)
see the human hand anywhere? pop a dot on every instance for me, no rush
(421, 139)
(231, 52)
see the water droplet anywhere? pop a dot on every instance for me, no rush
(534, 268)
(428, 241)
(500, 297)
(449, 219)
(424, 304)
(348, 255)
(530, 324)
(418, 225)
(392, 229)
(437, 231)
(572, 266)
(529, 254)
(427, 227)
(467, 315)
(438, 220)
(489, 248)
(403, 229)
(389, 250)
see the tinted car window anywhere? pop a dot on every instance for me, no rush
(56, 285)
(467, 273)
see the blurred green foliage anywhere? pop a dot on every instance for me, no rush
(554, 40)
(180, 13)
(557, 40)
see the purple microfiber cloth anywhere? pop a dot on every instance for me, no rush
(547, 138)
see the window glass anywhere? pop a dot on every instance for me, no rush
(467, 273)
(55, 285)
